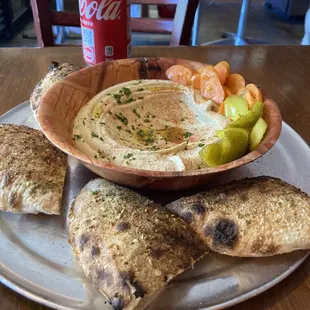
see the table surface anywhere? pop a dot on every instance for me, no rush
(283, 71)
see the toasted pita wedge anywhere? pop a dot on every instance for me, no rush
(255, 217)
(32, 171)
(56, 73)
(127, 245)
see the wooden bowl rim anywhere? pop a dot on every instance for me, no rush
(273, 133)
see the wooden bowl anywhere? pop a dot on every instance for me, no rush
(60, 105)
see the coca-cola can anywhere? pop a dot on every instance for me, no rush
(105, 30)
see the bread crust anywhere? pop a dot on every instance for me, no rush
(56, 73)
(254, 217)
(32, 171)
(127, 245)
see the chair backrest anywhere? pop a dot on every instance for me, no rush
(180, 27)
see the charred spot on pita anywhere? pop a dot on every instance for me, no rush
(139, 289)
(198, 208)
(95, 251)
(224, 232)
(83, 240)
(118, 303)
(122, 226)
(187, 217)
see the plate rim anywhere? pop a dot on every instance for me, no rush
(234, 301)
(10, 283)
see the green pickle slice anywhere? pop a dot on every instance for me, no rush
(234, 143)
(245, 132)
(257, 133)
(235, 106)
(211, 154)
(250, 119)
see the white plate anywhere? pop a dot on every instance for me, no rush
(36, 259)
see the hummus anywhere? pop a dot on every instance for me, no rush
(148, 124)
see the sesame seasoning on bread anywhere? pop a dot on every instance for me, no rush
(127, 245)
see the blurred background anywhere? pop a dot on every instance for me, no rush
(267, 22)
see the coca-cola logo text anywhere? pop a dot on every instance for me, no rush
(104, 9)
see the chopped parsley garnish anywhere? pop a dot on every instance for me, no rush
(186, 145)
(122, 118)
(147, 136)
(128, 155)
(126, 91)
(123, 92)
(119, 127)
(150, 139)
(201, 144)
(135, 112)
(96, 156)
(141, 98)
(153, 116)
(114, 157)
(147, 121)
(101, 138)
(133, 127)
(117, 97)
(128, 100)
(101, 154)
(77, 137)
(139, 82)
(102, 123)
(94, 135)
(187, 134)
(140, 89)
(83, 122)
(141, 133)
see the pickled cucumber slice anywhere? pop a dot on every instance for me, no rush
(257, 133)
(250, 119)
(211, 154)
(234, 143)
(258, 108)
(235, 106)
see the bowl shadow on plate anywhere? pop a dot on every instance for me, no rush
(164, 197)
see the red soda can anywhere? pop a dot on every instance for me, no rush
(105, 30)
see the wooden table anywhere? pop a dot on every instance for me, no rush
(283, 71)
